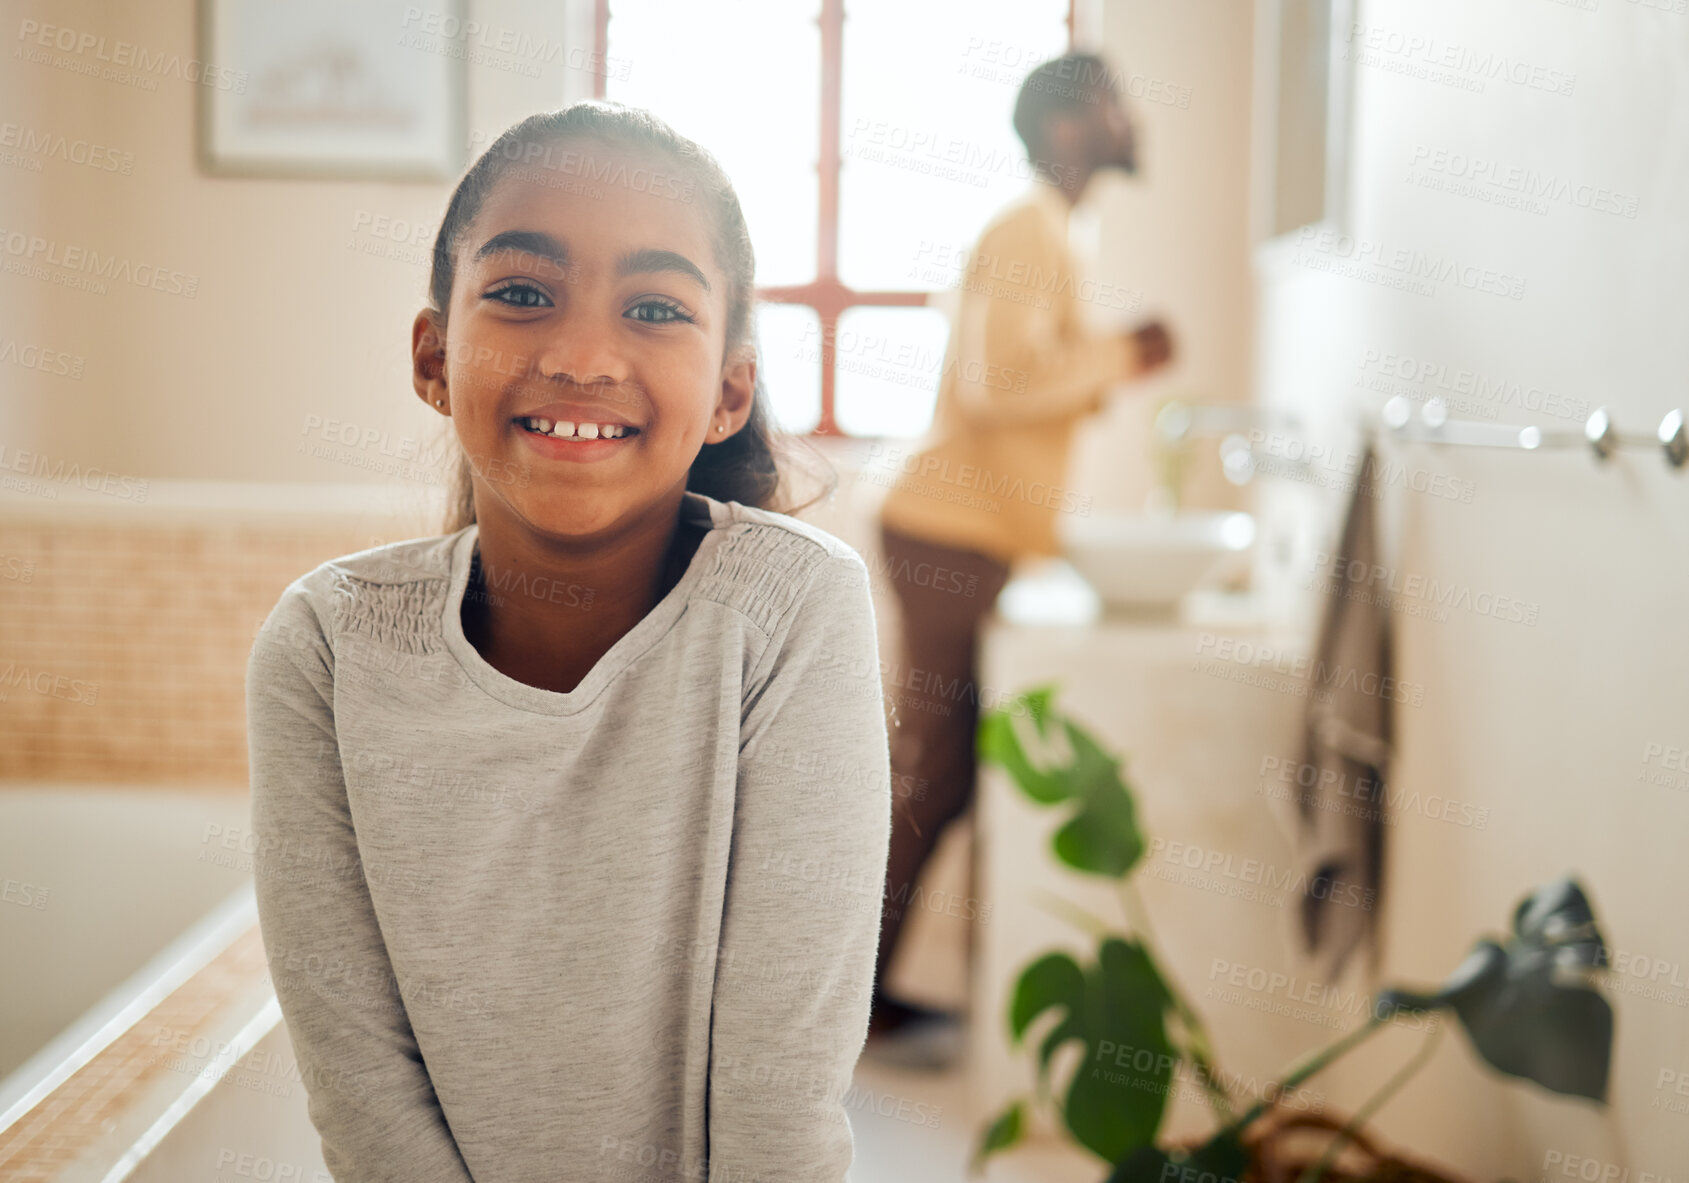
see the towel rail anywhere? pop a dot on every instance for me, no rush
(1433, 426)
(1242, 459)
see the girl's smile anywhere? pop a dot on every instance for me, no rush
(586, 330)
(559, 431)
(585, 364)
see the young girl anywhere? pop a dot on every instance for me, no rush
(572, 821)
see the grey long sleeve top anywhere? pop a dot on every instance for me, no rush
(626, 932)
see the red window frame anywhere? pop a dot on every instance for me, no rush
(826, 293)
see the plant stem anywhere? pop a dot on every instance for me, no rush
(1310, 1066)
(1041, 1094)
(1070, 912)
(1201, 1051)
(1347, 1134)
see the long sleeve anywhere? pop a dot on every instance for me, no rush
(800, 927)
(369, 1093)
(1020, 359)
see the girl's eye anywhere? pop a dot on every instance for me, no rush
(524, 290)
(666, 311)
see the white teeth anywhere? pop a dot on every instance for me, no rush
(564, 429)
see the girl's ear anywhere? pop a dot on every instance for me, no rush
(428, 362)
(738, 385)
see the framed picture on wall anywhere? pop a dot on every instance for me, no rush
(326, 88)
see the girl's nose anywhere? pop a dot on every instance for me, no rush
(583, 353)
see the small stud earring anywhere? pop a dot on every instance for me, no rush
(439, 402)
(720, 427)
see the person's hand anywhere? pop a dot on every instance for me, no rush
(1154, 345)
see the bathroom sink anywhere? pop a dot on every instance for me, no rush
(1147, 563)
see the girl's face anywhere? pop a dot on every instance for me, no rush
(586, 291)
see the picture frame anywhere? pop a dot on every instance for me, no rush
(320, 89)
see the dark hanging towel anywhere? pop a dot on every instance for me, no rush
(1346, 746)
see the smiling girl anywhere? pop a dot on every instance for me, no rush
(572, 821)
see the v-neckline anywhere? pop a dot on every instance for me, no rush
(695, 507)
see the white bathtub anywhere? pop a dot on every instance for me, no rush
(118, 905)
(96, 882)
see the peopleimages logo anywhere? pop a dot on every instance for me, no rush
(1315, 463)
(1450, 63)
(600, 171)
(92, 478)
(1305, 670)
(1557, 1164)
(127, 54)
(43, 361)
(1485, 172)
(1376, 583)
(1462, 388)
(1319, 787)
(1006, 486)
(1350, 255)
(32, 253)
(1210, 866)
(54, 145)
(992, 274)
(939, 153)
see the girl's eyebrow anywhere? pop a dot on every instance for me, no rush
(543, 245)
(528, 242)
(653, 259)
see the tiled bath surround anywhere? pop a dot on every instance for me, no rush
(124, 628)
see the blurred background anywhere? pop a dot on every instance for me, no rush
(1453, 234)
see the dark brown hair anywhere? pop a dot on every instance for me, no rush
(745, 467)
(1067, 83)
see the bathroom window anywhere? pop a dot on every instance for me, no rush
(869, 141)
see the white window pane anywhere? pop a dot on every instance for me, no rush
(929, 152)
(888, 362)
(782, 209)
(744, 83)
(789, 362)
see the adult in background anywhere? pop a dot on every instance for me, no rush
(1021, 370)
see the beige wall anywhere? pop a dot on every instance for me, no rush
(290, 318)
(1178, 231)
(1546, 725)
(286, 324)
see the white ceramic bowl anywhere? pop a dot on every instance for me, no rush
(1142, 562)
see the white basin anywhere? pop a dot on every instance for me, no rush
(1148, 563)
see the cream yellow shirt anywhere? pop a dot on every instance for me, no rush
(1021, 368)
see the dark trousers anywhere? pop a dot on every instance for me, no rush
(943, 593)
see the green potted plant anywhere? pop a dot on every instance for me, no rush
(1528, 1003)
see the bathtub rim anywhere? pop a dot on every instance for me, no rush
(125, 1004)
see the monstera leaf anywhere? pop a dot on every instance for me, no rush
(1102, 836)
(1115, 1009)
(1529, 1006)
(1006, 1131)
